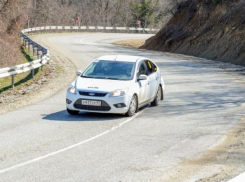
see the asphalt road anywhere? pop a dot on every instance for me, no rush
(42, 142)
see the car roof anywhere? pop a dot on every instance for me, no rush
(124, 58)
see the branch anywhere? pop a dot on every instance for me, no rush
(5, 3)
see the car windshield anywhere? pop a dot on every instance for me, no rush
(114, 70)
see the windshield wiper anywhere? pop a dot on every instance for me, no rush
(100, 77)
(87, 76)
(111, 78)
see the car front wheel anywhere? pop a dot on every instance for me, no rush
(158, 97)
(133, 107)
(72, 112)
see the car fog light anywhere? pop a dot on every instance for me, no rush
(68, 101)
(119, 105)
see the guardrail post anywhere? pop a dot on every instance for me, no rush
(42, 62)
(32, 73)
(26, 43)
(12, 81)
(33, 50)
(36, 53)
(28, 46)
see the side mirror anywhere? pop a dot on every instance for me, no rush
(142, 77)
(79, 72)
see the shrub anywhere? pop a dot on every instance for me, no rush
(216, 1)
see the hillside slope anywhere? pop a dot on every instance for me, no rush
(213, 29)
(11, 22)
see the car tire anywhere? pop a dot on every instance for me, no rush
(72, 112)
(133, 107)
(158, 97)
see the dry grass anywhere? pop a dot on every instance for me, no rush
(134, 43)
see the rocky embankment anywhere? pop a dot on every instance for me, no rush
(212, 29)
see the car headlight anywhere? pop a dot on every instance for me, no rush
(72, 89)
(118, 93)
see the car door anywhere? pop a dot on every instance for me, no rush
(153, 79)
(143, 85)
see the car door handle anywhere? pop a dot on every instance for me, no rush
(148, 83)
(157, 78)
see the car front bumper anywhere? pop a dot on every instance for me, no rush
(117, 105)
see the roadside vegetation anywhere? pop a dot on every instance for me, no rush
(124, 13)
(207, 28)
(17, 15)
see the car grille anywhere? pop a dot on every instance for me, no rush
(104, 106)
(95, 94)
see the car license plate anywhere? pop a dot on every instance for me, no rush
(91, 103)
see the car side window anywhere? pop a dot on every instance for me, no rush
(151, 67)
(142, 69)
(154, 67)
(148, 67)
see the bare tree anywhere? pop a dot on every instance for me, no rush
(64, 12)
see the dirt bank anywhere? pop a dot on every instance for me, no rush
(205, 28)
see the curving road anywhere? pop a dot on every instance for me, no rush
(42, 142)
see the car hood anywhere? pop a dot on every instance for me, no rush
(107, 85)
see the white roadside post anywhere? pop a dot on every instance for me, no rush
(138, 24)
(78, 22)
(12, 81)
(28, 21)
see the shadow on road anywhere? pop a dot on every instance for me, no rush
(85, 116)
(82, 117)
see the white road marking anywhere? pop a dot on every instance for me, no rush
(70, 147)
(239, 178)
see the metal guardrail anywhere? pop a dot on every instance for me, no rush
(90, 28)
(43, 58)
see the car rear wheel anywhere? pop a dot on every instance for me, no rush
(158, 97)
(133, 107)
(72, 112)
